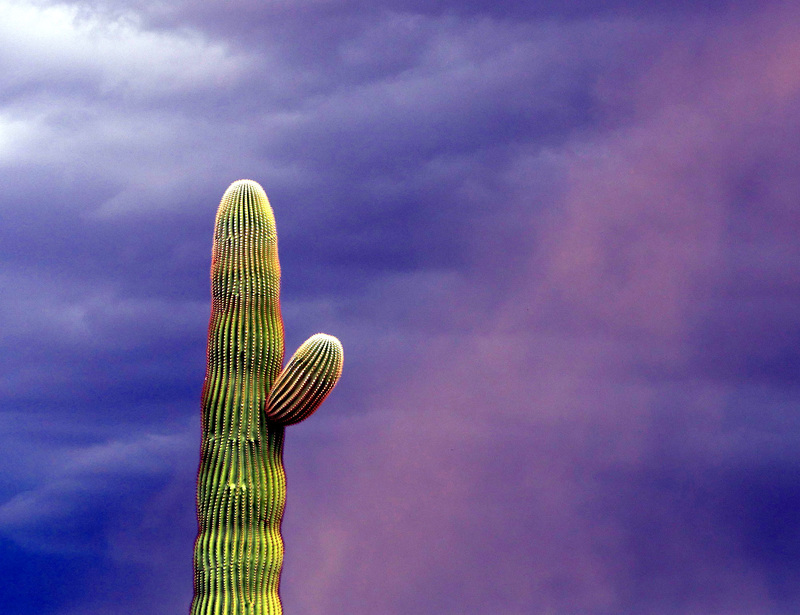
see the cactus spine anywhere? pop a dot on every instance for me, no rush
(247, 401)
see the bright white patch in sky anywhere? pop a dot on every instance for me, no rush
(74, 80)
(14, 133)
(44, 45)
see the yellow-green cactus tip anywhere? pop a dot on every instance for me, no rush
(245, 182)
(306, 380)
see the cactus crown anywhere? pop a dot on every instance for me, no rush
(247, 402)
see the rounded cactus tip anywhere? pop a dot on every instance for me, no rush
(318, 347)
(323, 338)
(327, 345)
(245, 182)
(247, 185)
(236, 209)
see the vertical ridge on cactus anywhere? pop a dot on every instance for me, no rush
(247, 401)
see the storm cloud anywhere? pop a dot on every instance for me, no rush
(559, 245)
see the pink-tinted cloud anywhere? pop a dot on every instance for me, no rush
(516, 468)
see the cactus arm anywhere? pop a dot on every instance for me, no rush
(305, 382)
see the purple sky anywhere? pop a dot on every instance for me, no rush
(559, 245)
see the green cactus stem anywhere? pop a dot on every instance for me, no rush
(247, 402)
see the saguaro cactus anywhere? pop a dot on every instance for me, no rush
(247, 402)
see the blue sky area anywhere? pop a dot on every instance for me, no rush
(559, 245)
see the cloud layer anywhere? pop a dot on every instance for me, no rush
(559, 246)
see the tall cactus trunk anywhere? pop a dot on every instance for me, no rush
(241, 484)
